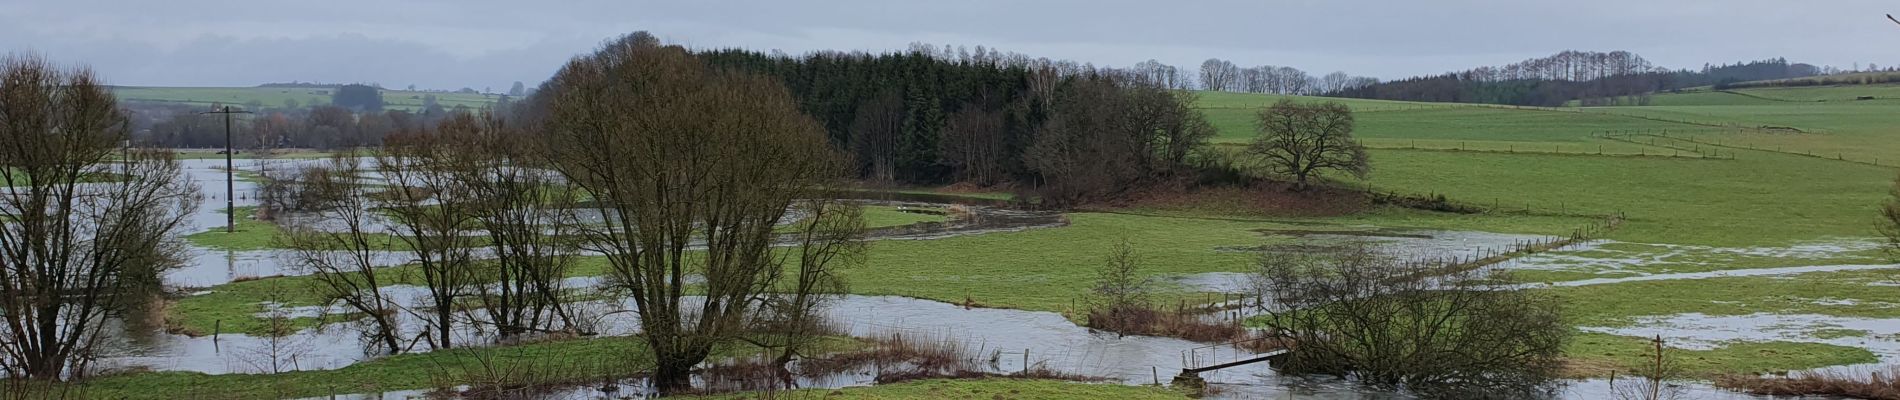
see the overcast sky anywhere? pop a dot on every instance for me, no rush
(448, 44)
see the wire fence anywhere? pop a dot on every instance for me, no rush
(1597, 150)
(1698, 141)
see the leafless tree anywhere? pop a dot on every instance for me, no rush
(1302, 139)
(1106, 135)
(874, 136)
(527, 213)
(1220, 75)
(1361, 314)
(79, 229)
(681, 156)
(432, 213)
(280, 348)
(973, 143)
(831, 238)
(341, 259)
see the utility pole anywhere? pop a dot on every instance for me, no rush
(230, 198)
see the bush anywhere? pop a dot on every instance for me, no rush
(1362, 315)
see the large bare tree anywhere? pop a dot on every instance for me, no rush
(681, 158)
(1303, 139)
(83, 220)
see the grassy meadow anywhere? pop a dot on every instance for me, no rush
(1792, 170)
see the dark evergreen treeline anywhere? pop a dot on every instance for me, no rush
(891, 110)
(1592, 77)
(1068, 132)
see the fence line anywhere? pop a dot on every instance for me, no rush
(1629, 136)
(1555, 150)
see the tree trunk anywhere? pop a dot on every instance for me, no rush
(674, 375)
(443, 313)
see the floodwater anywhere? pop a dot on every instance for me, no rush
(210, 267)
(1014, 339)
(1609, 257)
(1778, 271)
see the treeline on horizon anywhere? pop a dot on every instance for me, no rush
(1592, 78)
(1068, 132)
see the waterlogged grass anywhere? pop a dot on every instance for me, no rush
(554, 362)
(1052, 269)
(1614, 304)
(1598, 355)
(889, 216)
(989, 388)
(1623, 259)
(1857, 294)
(253, 234)
(248, 234)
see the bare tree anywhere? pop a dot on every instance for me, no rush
(1360, 314)
(831, 238)
(527, 213)
(340, 259)
(1220, 75)
(79, 230)
(973, 143)
(875, 133)
(681, 156)
(431, 212)
(1301, 140)
(280, 349)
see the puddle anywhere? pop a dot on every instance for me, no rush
(1606, 257)
(1697, 331)
(1781, 271)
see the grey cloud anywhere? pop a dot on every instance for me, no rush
(451, 44)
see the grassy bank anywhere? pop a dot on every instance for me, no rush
(557, 362)
(989, 388)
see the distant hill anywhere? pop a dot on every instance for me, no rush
(1592, 78)
(1857, 78)
(283, 97)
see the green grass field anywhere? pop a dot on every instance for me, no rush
(1684, 214)
(271, 97)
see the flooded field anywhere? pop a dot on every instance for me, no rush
(997, 341)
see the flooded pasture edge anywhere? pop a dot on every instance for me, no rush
(1030, 339)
